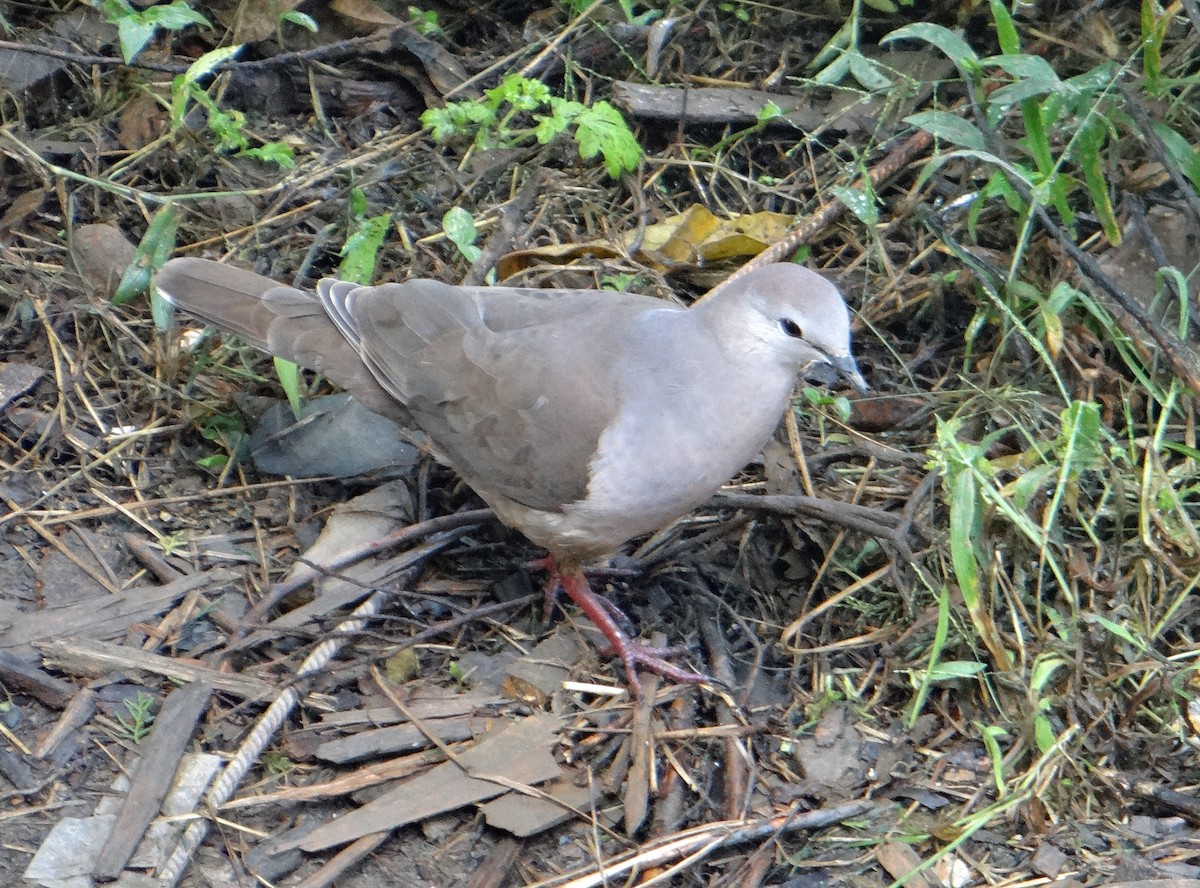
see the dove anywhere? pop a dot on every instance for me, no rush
(584, 418)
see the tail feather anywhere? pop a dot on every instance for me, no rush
(277, 319)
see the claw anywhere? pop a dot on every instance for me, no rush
(606, 617)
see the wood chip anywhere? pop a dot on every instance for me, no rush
(78, 712)
(899, 860)
(16, 673)
(524, 816)
(162, 750)
(109, 615)
(388, 741)
(84, 656)
(518, 754)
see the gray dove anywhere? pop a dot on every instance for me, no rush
(584, 418)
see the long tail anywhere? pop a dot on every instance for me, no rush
(275, 318)
(226, 297)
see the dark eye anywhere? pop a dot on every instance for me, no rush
(791, 328)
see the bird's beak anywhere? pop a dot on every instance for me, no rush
(831, 369)
(847, 369)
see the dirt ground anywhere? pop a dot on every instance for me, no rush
(951, 618)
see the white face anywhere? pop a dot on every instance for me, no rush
(803, 319)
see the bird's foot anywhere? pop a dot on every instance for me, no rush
(634, 654)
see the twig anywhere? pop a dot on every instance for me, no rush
(879, 524)
(342, 861)
(693, 845)
(1183, 360)
(405, 535)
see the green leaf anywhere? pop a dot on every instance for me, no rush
(768, 112)
(964, 506)
(1153, 33)
(602, 130)
(214, 462)
(302, 19)
(135, 29)
(174, 16)
(952, 46)
(990, 736)
(228, 126)
(1092, 139)
(1037, 140)
(133, 34)
(1043, 733)
(161, 311)
(210, 61)
(289, 378)
(859, 203)
(520, 92)
(362, 250)
(1081, 436)
(272, 152)
(356, 204)
(459, 226)
(1043, 670)
(1032, 77)
(457, 119)
(440, 122)
(834, 72)
(152, 252)
(997, 186)
(1024, 488)
(952, 670)
(1181, 152)
(563, 114)
(1006, 30)
(867, 72)
(425, 22)
(949, 127)
(1118, 630)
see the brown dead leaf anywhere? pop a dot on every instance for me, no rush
(364, 15)
(25, 205)
(695, 237)
(142, 121)
(255, 19)
(101, 254)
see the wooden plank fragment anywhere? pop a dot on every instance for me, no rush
(523, 816)
(172, 731)
(712, 104)
(496, 866)
(84, 656)
(436, 705)
(75, 716)
(109, 615)
(16, 673)
(364, 777)
(518, 754)
(389, 741)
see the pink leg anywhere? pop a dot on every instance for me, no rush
(554, 583)
(632, 652)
